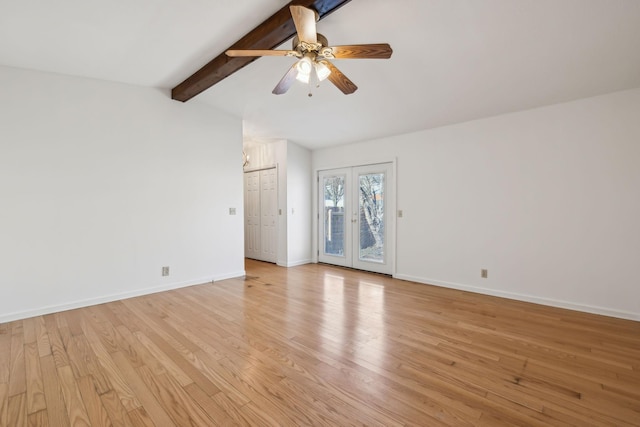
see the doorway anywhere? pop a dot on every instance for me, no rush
(356, 217)
(261, 214)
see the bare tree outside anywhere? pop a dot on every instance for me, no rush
(334, 214)
(334, 189)
(372, 209)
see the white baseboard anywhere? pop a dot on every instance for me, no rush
(113, 297)
(228, 276)
(296, 263)
(526, 298)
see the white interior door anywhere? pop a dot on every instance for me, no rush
(252, 242)
(261, 214)
(269, 214)
(356, 217)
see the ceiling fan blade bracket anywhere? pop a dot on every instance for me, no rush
(326, 53)
(309, 47)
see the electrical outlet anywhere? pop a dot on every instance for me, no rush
(484, 273)
(400, 213)
(165, 271)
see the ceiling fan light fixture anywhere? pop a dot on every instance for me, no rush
(322, 71)
(303, 78)
(305, 66)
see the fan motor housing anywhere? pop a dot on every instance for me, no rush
(322, 40)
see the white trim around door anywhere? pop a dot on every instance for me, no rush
(356, 217)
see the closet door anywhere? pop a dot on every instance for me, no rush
(252, 241)
(268, 214)
(261, 214)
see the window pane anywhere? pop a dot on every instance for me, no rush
(371, 201)
(334, 215)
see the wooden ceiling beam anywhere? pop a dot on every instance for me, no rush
(274, 31)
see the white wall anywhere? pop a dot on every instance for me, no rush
(299, 182)
(548, 200)
(102, 184)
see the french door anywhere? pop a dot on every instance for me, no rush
(355, 218)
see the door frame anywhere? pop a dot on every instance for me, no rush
(391, 201)
(278, 211)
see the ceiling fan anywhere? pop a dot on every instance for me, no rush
(313, 52)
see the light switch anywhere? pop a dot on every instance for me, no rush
(232, 211)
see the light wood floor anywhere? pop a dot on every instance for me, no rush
(317, 345)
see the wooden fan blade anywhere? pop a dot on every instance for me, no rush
(362, 51)
(341, 81)
(305, 21)
(261, 52)
(286, 82)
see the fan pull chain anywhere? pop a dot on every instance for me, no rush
(313, 81)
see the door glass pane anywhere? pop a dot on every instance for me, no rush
(371, 211)
(334, 220)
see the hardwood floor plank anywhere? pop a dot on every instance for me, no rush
(42, 337)
(259, 393)
(207, 365)
(35, 387)
(187, 363)
(140, 418)
(56, 409)
(38, 419)
(4, 404)
(75, 321)
(108, 311)
(17, 327)
(75, 406)
(5, 357)
(95, 369)
(17, 373)
(29, 330)
(231, 408)
(113, 406)
(259, 417)
(96, 411)
(77, 358)
(17, 410)
(55, 340)
(142, 393)
(174, 399)
(112, 374)
(167, 362)
(209, 405)
(154, 321)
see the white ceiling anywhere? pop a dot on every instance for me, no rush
(453, 60)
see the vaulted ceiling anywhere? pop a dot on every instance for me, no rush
(453, 60)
